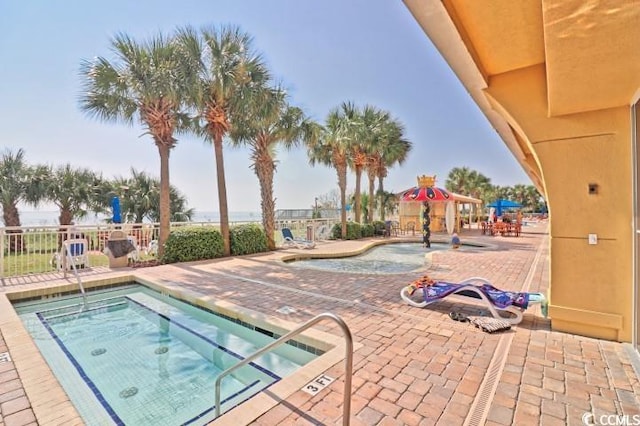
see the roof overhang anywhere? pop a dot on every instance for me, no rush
(588, 48)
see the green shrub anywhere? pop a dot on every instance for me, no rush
(189, 244)
(353, 231)
(247, 239)
(367, 230)
(336, 232)
(378, 227)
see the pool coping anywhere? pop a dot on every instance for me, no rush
(50, 403)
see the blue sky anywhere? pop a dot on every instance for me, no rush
(325, 52)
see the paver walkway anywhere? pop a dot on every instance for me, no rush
(417, 366)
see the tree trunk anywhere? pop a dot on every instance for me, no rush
(222, 195)
(11, 217)
(342, 184)
(65, 217)
(165, 205)
(264, 168)
(381, 192)
(358, 207)
(372, 189)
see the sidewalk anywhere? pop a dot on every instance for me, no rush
(417, 366)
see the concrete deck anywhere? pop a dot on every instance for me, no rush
(412, 367)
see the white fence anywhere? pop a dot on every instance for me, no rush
(29, 250)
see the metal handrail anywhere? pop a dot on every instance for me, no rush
(69, 256)
(346, 412)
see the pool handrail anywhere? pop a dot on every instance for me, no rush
(346, 412)
(69, 257)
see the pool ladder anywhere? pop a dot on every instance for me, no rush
(348, 361)
(69, 257)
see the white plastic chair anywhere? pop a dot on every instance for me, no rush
(73, 252)
(152, 248)
(134, 256)
(323, 232)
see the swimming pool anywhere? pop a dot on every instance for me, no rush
(140, 357)
(383, 259)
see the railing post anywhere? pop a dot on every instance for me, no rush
(2, 233)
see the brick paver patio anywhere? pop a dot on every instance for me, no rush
(414, 366)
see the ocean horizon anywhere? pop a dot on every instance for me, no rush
(50, 217)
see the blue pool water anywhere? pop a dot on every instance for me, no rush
(140, 358)
(384, 259)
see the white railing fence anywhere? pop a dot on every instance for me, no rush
(27, 250)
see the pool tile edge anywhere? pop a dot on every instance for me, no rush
(45, 394)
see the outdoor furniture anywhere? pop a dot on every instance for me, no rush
(387, 228)
(395, 228)
(323, 232)
(134, 255)
(494, 299)
(74, 252)
(410, 226)
(291, 241)
(501, 228)
(118, 248)
(517, 229)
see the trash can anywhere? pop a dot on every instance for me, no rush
(310, 235)
(119, 247)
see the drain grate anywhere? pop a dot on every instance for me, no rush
(482, 403)
(5, 357)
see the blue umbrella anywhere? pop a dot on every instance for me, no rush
(115, 206)
(500, 204)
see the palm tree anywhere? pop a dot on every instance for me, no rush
(227, 72)
(179, 210)
(332, 149)
(519, 194)
(364, 197)
(459, 180)
(71, 189)
(139, 194)
(389, 202)
(140, 198)
(368, 137)
(264, 126)
(533, 199)
(145, 83)
(463, 180)
(355, 129)
(391, 148)
(19, 182)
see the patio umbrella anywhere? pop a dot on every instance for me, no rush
(115, 206)
(500, 204)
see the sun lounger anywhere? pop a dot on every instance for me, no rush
(291, 241)
(495, 300)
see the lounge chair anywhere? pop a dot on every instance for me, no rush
(291, 241)
(496, 300)
(323, 232)
(74, 252)
(134, 256)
